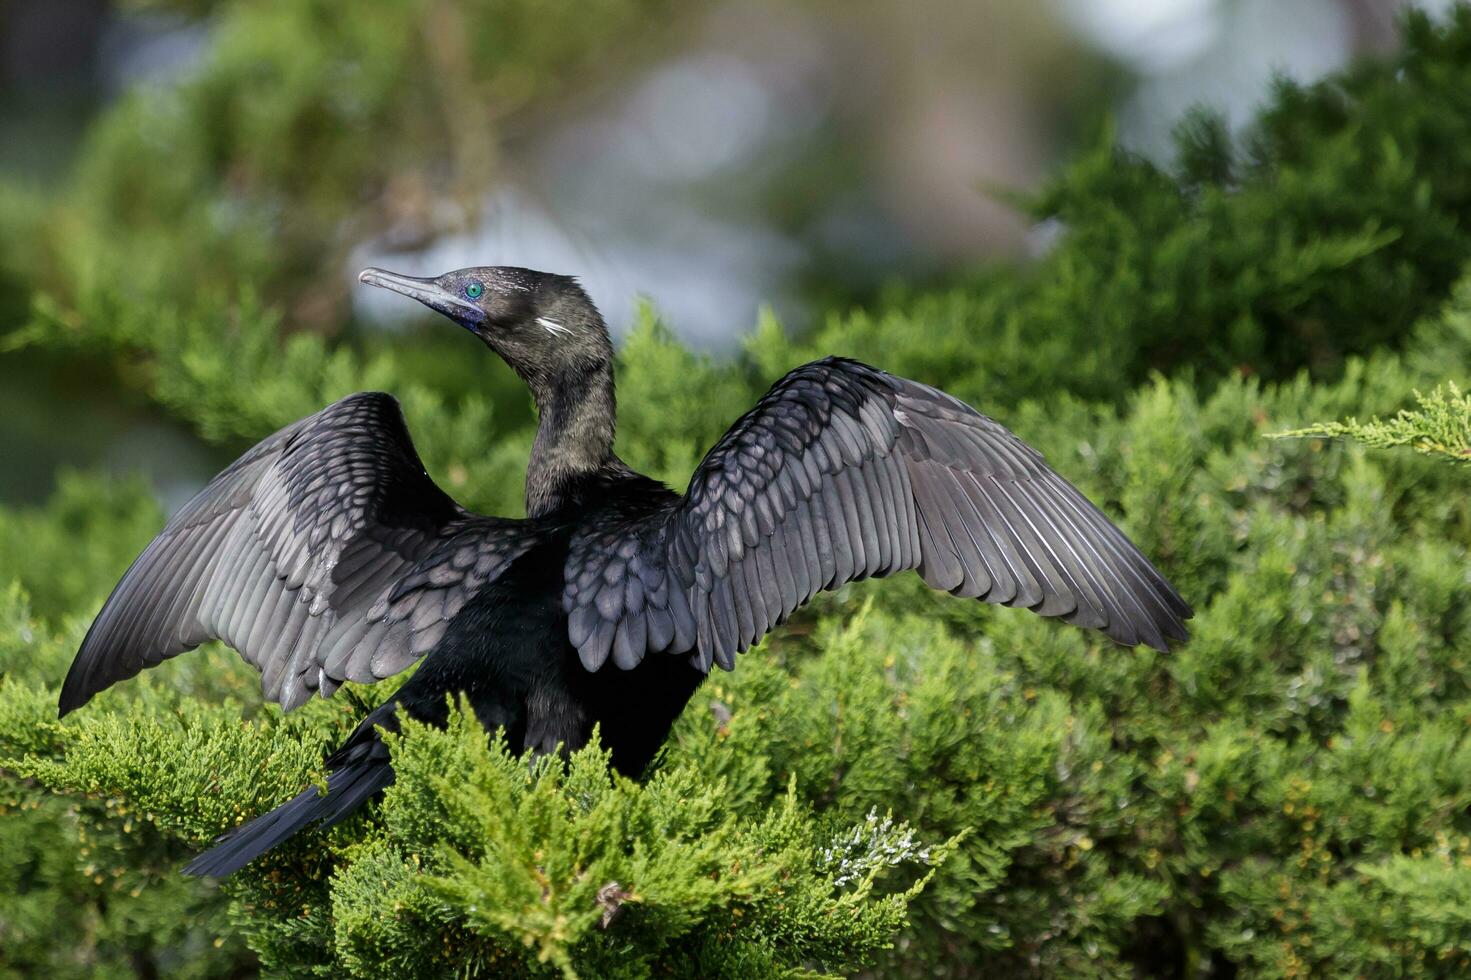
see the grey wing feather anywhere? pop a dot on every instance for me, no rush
(323, 554)
(842, 472)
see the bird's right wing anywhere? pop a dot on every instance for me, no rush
(323, 554)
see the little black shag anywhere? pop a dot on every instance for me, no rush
(326, 554)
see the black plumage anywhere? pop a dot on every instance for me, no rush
(326, 553)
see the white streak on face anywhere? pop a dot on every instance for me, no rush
(553, 327)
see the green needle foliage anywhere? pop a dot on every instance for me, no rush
(900, 782)
(1440, 427)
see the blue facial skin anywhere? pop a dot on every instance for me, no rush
(468, 315)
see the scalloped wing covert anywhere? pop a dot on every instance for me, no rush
(842, 472)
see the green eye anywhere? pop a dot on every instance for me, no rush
(473, 289)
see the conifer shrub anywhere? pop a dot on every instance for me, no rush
(900, 782)
(1338, 218)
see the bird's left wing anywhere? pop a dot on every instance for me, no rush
(842, 472)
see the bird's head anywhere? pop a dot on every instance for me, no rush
(542, 324)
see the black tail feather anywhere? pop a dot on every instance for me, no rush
(363, 772)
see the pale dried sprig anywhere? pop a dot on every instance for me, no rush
(869, 847)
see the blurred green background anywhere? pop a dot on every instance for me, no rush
(1145, 234)
(710, 157)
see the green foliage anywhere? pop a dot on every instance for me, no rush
(900, 782)
(476, 859)
(543, 860)
(90, 881)
(299, 118)
(1441, 427)
(116, 519)
(1341, 218)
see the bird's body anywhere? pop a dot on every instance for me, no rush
(508, 652)
(326, 553)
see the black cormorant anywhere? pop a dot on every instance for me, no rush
(327, 554)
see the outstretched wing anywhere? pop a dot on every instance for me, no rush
(839, 473)
(323, 554)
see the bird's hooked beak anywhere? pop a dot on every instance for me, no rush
(429, 292)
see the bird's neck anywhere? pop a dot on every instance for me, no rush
(574, 440)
